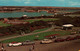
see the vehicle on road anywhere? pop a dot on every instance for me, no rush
(14, 44)
(46, 41)
(52, 36)
(70, 38)
(28, 42)
(59, 40)
(77, 37)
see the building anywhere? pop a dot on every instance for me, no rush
(67, 26)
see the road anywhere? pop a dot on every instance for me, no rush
(73, 45)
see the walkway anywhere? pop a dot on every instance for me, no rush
(26, 34)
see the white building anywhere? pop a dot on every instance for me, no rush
(67, 26)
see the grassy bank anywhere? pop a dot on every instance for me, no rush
(40, 30)
(47, 19)
(32, 37)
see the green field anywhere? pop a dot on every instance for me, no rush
(40, 30)
(48, 19)
(32, 20)
(8, 36)
(32, 37)
(4, 24)
(18, 34)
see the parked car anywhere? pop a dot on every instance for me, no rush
(28, 42)
(70, 38)
(59, 40)
(77, 37)
(46, 41)
(14, 44)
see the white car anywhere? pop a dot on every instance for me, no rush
(14, 44)
(46, 41)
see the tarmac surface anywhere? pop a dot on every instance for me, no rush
(73, 45)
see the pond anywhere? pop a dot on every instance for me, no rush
(20, 14)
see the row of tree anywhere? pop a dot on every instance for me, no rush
(68, 20)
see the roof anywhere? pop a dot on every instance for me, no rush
(68, 25)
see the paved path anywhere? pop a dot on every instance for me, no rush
(27, 34)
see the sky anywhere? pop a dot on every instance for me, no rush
(56, 3)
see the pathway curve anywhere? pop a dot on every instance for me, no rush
(27, 34)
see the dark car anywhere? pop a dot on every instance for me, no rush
(28, 42)
(77, 37)
(70, 38)
(59, 40)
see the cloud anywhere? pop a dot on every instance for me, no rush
(27, 2)
(38, 0)
(21, 0)
(15, 0)
(74, 3)
(60, 0)
(24, 1)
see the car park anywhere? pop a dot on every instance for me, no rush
(46, 41)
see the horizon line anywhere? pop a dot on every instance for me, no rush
(41, 6)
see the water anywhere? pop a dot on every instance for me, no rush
(30, 14)
(20, 14)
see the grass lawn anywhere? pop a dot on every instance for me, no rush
(8, 36)
(4, 24)
(40, 30)
(18, 34)
(48, 19)
(32, 37)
